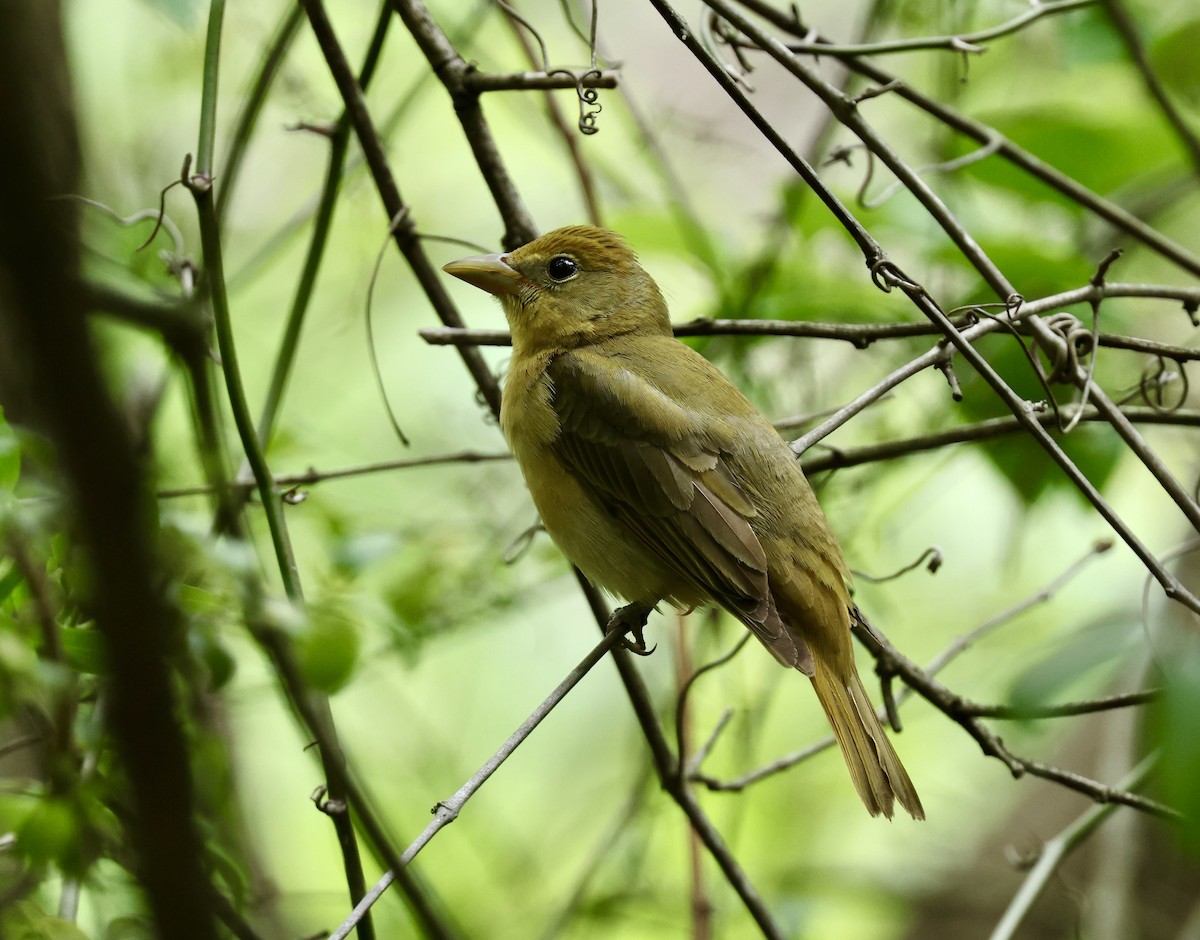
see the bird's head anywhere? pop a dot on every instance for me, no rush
(568, 288)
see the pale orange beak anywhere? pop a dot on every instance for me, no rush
(491, 273)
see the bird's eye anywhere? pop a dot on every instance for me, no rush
(562, 268)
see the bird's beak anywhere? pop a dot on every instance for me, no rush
(491, 273)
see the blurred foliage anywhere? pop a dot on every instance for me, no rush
(432, 647)
(1176, 727)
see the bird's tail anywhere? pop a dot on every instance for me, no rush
(877, 773)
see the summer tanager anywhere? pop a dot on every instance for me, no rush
(660, 481)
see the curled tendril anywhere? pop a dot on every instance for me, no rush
(1156, 376)
(1077, 342)
(588, 98)
(886, 275)
(529, 27)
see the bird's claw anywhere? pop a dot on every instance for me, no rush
(631, 619)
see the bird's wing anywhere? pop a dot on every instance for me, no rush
(653, 464)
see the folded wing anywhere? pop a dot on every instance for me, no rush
(655, 467)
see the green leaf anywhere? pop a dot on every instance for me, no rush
(25, 921)
(10, 457)
(1096, 644)
(1088, 38)
(1176, 726)
(49, 832)
(86, 650)
(217, 659)
(328, 645)
(1099, 144)
(1033, 473)
(9, 582)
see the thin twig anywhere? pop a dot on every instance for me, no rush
(446, 811)
(939, 662)
(1127, 30)
(1055, 850)
(201, 186)
(480, 82)
(1065, 710)
(949, 703)
(961, 43)
(269, 68)
(453, 71)
(568, 136)
(339, 145)
(859, 335)
(988, 429)
(289, 481)
(931, 558)
(1116, 216)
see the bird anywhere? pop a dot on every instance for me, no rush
(662, 482)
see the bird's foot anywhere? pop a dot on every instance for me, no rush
(631, 619)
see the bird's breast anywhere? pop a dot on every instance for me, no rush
(580, 525)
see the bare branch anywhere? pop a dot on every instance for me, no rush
(961, 43)
(290, 481)
(479, 82)
(1066, 710)
(1115, 215)
(936, 665)
(452, 70)
(1127, 30)
(447, 811)
(839, 458)
(1055, 850)
(952, 705)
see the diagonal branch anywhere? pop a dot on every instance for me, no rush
(1004, 148)
(519, 227)
(446, 811)
(887, 276)
(894, 662)
(60, 377)
(961, 42)
(1055, 850)
(453, 71)
(1127, 29)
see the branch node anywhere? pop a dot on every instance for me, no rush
(1190, 307)
(873, 92)
(1022, 860)
(886, 274)
(945, 365)
(326, 130)
(327, 806)
(958, 44)
(1102, 270)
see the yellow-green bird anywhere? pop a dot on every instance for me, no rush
(660, 481)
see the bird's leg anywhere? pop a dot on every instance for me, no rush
(632, 619)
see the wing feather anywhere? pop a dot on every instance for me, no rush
(650, 463)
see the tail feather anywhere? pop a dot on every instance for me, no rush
(878, 775)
